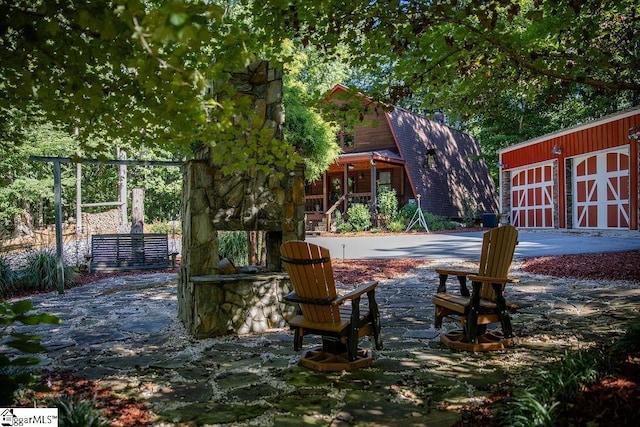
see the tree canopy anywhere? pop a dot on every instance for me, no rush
(133, 70)
(157, 70)
(435, 49)
(504, 71)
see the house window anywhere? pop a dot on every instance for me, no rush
(384, 181)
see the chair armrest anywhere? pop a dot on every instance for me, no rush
(489, 279)
(357, 292)
(454, 272)
(293, 297)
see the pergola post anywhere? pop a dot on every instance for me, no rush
(57, 200)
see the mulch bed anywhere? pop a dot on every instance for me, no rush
(612, 266)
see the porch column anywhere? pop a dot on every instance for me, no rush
(325, 193)
(345, 185)
(374, 187)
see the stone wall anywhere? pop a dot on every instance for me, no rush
(101, 222)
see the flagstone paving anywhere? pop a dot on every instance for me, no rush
(124, 332)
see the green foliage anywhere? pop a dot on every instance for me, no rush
(122, 70)
(438, 223)
(396, 226)
(630, 341)
(308, 77)
(7, 278)
(234, 246)
(540, 403)
(340, 224)
(503, 71)
(168, 227)
(74, 412)
(387, 206)
(13, 374)
(434, 222)
(26, 187)
(344, 227)
(522, 48)
(408, 212)
(359, 217)
(41, 272)
(309, 133)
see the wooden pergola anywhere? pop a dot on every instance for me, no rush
(57, 194)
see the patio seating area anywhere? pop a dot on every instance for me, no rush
(124, 332)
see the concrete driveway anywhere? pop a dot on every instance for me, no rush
(466, 245)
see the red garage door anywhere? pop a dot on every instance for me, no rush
(601, 188)
(532, 197)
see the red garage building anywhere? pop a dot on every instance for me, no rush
(583, 177)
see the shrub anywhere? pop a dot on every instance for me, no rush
(434, 222)
(407, 213)
(7, 278)
(41, 272)
(344, 227)
(387, 206)
(396, 226)
(359, 217)
(13, 373)
(438, 223)
(540, 403)
(74, 412)
(166, 227)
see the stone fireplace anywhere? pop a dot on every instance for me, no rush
(214, 304)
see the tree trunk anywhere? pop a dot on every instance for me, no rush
(137, 211)
(252, 240)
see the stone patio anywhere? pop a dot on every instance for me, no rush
(124, 332)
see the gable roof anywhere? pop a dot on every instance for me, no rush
(459, 177)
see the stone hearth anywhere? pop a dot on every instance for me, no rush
(240, 303)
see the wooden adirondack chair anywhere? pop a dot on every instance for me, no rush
(486, 303)
(321, 311)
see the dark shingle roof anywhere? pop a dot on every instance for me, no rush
(458, 177)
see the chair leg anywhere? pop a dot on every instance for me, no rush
(375, 319)
(438, 319)
(354, 329)
(481, 330)
(297, 339)
(472, 325)
(352, 345)
(505, 321)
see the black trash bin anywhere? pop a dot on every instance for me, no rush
(489, 220)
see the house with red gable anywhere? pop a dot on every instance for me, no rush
(420, 158)
(583, 177)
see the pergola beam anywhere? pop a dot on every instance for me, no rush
(105, 162)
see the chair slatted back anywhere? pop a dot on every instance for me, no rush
(311, 274)
(498, 247)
